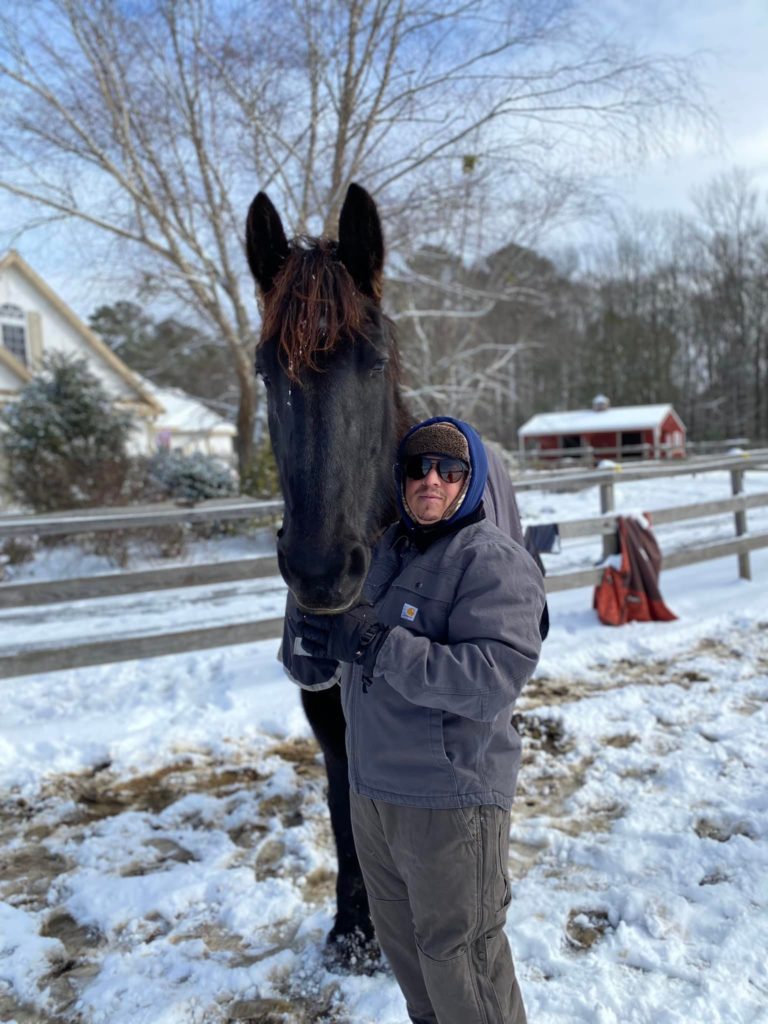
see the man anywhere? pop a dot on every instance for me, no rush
(431, 664)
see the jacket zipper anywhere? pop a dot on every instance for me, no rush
(353, 725)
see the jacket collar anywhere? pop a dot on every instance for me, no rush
(424, 537)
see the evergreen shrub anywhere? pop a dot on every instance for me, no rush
(64, 442)
(193, 477)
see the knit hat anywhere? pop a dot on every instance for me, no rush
(437, 439)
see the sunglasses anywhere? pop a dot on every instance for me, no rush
(450, 470)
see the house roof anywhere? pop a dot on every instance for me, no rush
(94, 342)
(185, 414)
(587, 421)
(12, 363)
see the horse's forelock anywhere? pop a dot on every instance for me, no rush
(313, 305)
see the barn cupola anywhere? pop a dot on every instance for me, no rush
(600, 403)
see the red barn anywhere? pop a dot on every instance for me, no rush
(602, 432)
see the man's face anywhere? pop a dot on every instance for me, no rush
(429, 498)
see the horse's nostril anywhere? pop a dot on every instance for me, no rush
(358, 561)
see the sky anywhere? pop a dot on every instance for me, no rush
(731, 41)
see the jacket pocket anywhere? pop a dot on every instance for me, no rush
(421, 600)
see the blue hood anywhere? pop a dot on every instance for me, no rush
(477, 477)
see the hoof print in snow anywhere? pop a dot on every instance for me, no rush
(714, 878)
(721, 832)
(623, 740)
(269, 858)
(167, 853)
(73, 936)
(259, 1011)
(584, 928)
(541, 733)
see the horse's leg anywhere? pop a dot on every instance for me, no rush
(323, 709)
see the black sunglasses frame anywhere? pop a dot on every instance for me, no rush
(450, 470)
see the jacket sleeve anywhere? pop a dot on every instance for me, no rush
(307, 672)
(493, 640)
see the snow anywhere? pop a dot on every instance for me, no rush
(165, 848)
(184, 413)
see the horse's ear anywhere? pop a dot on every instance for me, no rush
(265, 242)
(361, 242)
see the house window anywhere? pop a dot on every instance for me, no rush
(14, 334)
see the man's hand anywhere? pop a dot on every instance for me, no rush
(356, 635)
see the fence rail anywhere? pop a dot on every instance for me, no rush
(51, 657)
(136, 517)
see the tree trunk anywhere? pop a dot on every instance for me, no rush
(246, 413)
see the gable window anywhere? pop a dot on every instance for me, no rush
(13, 331)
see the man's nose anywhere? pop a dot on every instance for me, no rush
(433, 469)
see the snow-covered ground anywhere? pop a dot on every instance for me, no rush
(165, 856)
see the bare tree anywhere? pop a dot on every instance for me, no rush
(153, 123)
(729, 265)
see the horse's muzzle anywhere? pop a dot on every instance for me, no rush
(323, 582)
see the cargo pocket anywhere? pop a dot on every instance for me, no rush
(469, 819)
(503, 860)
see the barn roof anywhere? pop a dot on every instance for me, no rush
(587, 421)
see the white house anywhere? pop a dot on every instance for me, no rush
(34, 321)
(190, 426)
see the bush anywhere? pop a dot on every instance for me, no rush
(189, 477)
(65, 443)
(18, 550)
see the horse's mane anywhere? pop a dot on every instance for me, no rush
(313, 304)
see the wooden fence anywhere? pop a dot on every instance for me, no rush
(50, 657)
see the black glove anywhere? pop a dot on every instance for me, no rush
(356, 635)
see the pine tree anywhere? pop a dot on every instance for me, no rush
(64, 441)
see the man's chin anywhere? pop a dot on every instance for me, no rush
(429, 521)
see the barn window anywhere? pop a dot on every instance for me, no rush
(14, 334)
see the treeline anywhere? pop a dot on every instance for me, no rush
(670, 309)
(169, 352)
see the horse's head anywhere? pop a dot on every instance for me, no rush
(328, 358)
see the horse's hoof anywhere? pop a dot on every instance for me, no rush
(352, 953)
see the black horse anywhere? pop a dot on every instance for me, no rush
(328, 357)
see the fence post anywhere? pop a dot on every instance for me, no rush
(610, 542)
(740, 518)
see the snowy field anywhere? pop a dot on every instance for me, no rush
(165, 856)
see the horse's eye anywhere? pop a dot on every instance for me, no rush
(379, 365)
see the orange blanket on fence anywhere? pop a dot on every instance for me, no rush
(631, 593)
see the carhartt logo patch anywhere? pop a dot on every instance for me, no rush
(408, 613)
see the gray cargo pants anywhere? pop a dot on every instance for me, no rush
(438, 889)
